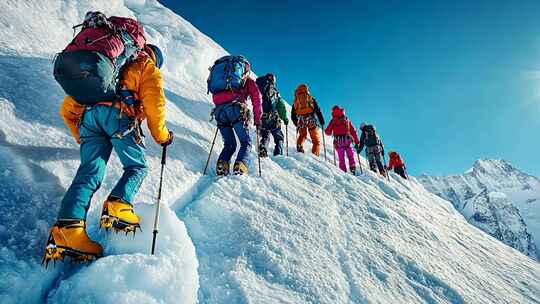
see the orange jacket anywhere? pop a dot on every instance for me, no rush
(143, 79)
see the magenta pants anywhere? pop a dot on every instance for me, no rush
(344, 147)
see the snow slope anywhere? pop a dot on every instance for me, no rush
(303, 233)
(312, 234)
(498, 198)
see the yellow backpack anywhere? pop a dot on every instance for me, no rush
(303, 101)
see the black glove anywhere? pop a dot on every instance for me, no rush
(169, 140)
(357, 148)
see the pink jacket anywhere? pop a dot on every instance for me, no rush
(341, 126)
(250, 90)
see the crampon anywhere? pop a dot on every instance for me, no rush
(110, 222)
(119, 216)
(58, 250)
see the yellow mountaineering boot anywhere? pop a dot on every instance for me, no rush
(240, 168)
(119, 215)
(222, 168)
(69, 238)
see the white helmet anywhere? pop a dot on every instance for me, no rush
(362, 125)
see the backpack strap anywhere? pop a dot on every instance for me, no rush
(75, 27)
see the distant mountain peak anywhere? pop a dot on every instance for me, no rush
(489, 162)
(492, 165)
(495, 196)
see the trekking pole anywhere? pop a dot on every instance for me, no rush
(359, 163)
(324, 144)
(210, 153)
(405, 170)
(296, 139)
(258, 152)
(385, 170)
(156, 218)
(287, 140)
(334, 155)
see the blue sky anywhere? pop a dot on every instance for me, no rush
(445, 82)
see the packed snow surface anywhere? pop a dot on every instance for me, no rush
(307, 233)
(304, 232)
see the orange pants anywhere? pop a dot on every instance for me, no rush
(315, 139)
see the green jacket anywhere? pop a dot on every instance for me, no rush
(282, 111)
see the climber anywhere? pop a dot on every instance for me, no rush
(231, 85)
(306, 116)
(344, 134)
(274, 112)
(397, 164)
(101, 123)
(374, 148)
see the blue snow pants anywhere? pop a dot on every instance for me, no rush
(230, 120)
(103, 129)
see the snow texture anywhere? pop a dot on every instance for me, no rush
(497, 198)
(304, 232)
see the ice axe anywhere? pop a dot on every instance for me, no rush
(158, 202)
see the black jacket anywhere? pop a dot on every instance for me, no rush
(365, 141)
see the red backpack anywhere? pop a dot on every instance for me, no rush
(89, 67)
